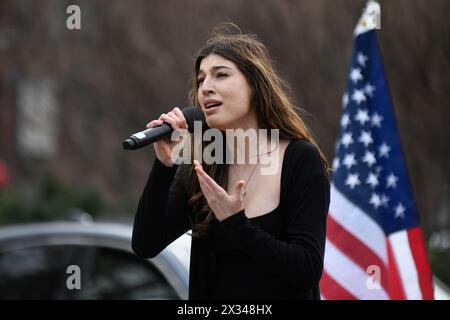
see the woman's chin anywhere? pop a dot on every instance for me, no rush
(215, 123)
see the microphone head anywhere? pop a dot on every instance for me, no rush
(193, 114)
(128, 144)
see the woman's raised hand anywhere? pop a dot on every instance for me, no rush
(164, 147)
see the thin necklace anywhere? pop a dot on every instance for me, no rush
(244, 191)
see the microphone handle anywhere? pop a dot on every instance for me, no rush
(146, 137)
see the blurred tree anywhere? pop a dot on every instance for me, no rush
(49, 199)
(131, 61)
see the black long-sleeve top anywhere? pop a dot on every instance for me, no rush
(278, 255)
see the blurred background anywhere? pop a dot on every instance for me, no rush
(68, 98)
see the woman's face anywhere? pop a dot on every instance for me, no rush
(224, 94)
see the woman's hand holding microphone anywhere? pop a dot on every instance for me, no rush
(164, 147)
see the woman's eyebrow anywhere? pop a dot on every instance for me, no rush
(214, 68)
(220, 67)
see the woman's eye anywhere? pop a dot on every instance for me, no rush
(222, 75)
(199, 81)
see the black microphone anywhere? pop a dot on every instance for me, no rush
(150, 135)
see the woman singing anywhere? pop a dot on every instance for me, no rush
(254, 235)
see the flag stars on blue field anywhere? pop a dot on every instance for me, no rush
(369, 89)
(376, 120)
(362, 59)
(355, 75)
(345, 100)
(336, 163)
(400, 211)
(352, 180)
(345, 121)
(369, 158)
(384, 200)
(362, 116)
(372, 180)
(391, 181)
(365, 138)
(383, 150)
(349, 160)
(375, 200)
(358, 96)
(347, 139)
(379, 200)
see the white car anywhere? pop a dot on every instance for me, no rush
(41, 261)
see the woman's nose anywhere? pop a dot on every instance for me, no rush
(207, 87)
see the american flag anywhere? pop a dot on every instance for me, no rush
(375, 247)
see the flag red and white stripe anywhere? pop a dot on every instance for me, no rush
(354, 243)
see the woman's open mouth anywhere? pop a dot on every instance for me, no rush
(212, 106)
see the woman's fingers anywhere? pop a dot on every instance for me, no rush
(181, 117)
(204, 186)
(175, 118)
(208, 180)
(220, 202)
(166, 118)
(206, 189)
(212, 185)
(154, 123)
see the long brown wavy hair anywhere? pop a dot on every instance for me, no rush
(274, 108)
